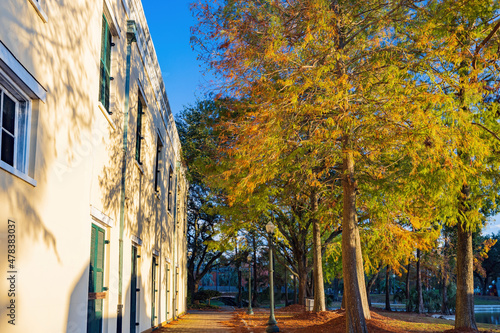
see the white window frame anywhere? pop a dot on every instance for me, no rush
(15, 170)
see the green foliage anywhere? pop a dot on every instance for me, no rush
(205, 295)
(406, 92)
(432, 298)
(203, 306)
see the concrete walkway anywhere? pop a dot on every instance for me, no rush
(200, 322)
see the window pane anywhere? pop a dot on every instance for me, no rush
(101, 85)
(106, 91)
(22, 137)
(103, 36)
(9, 114)
(104, 87)
(7, 148)
(108, 49)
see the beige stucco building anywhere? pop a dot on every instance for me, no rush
(92, 239)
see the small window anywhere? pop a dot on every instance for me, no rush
(105, 65)
(15, 111)
(159, 148)
(170, 187)
(139, 136)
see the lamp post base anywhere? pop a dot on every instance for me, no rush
(272, 325)
(271, 328)
(250, 311)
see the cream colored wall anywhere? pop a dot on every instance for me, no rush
(78, 166)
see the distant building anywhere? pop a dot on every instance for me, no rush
(92, 240)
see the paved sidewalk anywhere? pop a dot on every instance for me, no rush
(200, 322)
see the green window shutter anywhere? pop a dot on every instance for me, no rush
(96, 279)
(96, 260)
(105, 64)
(133, 291)
(139, 132)
(153, 291)
(92, 260)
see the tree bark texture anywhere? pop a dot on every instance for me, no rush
(355, 316)
(361, 274)
(319, 286)
(387, 289)
(465, 280)
(342, 305)
(286, 286)
(408, 288)
(420, 299)
(302, 272)
(370, 284)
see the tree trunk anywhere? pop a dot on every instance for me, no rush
(361, 274)
(310, 284)
(465, 280)
(342, 305)
(194, 290)
(484, 285)
(240, 294)
(302, 284)
(254, 294)
(387, 289)
(355, 315)
(420, 299)
(286, 286)
(408, 288)
(444, 291)
(239, 275)
(191, 286)
(335, 289)
(319, 286)
(370, 284)
(294, 289)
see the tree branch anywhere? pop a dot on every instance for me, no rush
(487, 130)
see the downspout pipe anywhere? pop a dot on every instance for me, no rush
(131, 37)
(176, 261)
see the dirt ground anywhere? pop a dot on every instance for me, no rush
(294, 319)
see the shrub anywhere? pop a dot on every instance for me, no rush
(206, 295)
(202, 306)
(432, 299)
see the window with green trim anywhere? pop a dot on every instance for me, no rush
(105, 64)
(139, 136)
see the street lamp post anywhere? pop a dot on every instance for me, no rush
(272, 323)
(250, 310)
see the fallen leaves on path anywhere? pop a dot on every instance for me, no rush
(294, 319)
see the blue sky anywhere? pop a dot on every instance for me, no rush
(169, 22)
